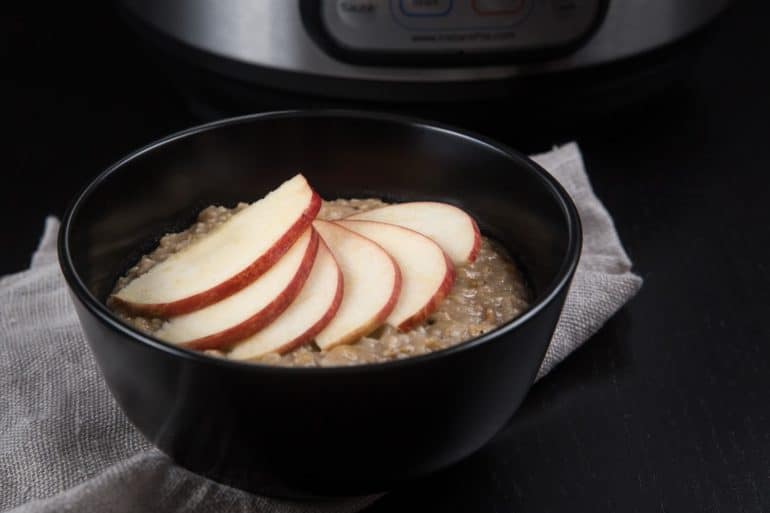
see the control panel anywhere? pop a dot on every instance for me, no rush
(403, 27)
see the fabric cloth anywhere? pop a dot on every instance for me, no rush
(66, 446)
(603, 281)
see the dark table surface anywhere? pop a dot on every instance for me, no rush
(665, 409)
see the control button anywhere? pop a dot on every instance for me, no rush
(498, 7)
(358, 12)
(425, 7)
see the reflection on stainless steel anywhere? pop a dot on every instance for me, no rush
(271, 34)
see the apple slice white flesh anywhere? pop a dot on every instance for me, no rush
(372, 283)
(229, 258)
(427, 274)
(309, 313)
(448, 226)
(242, 314)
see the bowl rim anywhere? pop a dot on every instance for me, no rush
(100, 310)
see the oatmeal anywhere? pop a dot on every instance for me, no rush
(486, 293)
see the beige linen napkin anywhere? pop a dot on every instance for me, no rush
(66, 446)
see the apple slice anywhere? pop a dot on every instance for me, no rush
(242, 314)
(229, 258)
(427, 273)
(306, 316)
(372, 285)
(448, 226)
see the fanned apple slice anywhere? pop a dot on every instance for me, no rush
(309, 313)
(372, 285)
(427, 273)
(242, 314)
(228, 259)
(448, 226)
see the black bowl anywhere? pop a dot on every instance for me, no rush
(302, 432)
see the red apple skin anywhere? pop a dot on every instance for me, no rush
(474, 252)
(476, 242)
(234, 283)
(441, 293)
(224, 339)
(379, 318)
(322, 322)
(376, 321)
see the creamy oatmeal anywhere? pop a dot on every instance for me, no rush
(486, 294)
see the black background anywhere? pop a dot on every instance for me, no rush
(665, 409)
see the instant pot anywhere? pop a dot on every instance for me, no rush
(416, 50)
